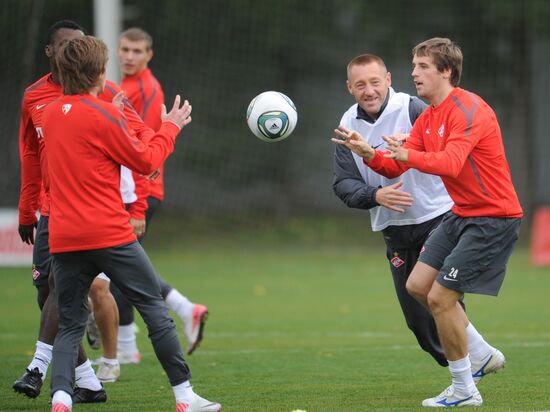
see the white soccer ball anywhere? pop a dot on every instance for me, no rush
(271, 116)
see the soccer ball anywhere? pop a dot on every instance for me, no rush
(271, 116)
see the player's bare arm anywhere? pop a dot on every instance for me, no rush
(180, 116)
(393, 198)
(354, 142)
(396, 150)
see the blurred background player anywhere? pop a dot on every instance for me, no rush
(34, 179)
(146, 96)
(405, 210)
(90, 228)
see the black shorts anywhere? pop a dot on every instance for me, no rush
(471, 253)
(41, 258)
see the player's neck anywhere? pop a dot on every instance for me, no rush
(94, 91)
(441, 95)
(55, 77)
(137, 73)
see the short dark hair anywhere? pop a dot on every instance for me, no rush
(62, 24)
(80, 62)
(364, 59)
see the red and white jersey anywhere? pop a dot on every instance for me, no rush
(460, 140)
(146, 96)
(87, 140)
(34, 194)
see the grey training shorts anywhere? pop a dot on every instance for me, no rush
(471, 253)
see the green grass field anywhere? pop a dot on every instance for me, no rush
(302, 322)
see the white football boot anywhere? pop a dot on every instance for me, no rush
(449, 399)
(107, 372)
(194, 326)
(490, 364)
(125, 358)
(198, 404)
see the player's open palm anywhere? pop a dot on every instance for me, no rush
(353, 141)
(179, 115)
(393, 198)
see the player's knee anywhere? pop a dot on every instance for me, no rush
(437, 302)
(416, 289)
(99, 291)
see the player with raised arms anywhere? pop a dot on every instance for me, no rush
(87, 140)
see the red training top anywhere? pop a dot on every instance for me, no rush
(34, 193)
(138, 208)
(460, 141)
(31, 150)
(146, 96)
(87, 140)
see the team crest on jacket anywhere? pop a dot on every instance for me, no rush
(65, 108)
(397, 261)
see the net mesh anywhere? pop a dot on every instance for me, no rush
(220, 54)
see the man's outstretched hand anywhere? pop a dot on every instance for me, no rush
(180, 116)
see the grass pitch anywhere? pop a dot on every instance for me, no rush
(310, 324)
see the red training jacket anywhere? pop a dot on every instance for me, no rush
(34, 194)
(460, 141)
(87, 140)
(146, 96)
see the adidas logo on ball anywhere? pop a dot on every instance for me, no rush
(273, 124)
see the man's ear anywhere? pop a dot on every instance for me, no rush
(48, 50)
(348, 84)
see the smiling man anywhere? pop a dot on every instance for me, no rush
(405, 225)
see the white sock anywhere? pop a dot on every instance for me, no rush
(42, 358)
(184, 392)
(85, 377)
(461, 373)
(107, 361)
(478, 348)
(62, 397)
(179, 304)
(126, 342)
